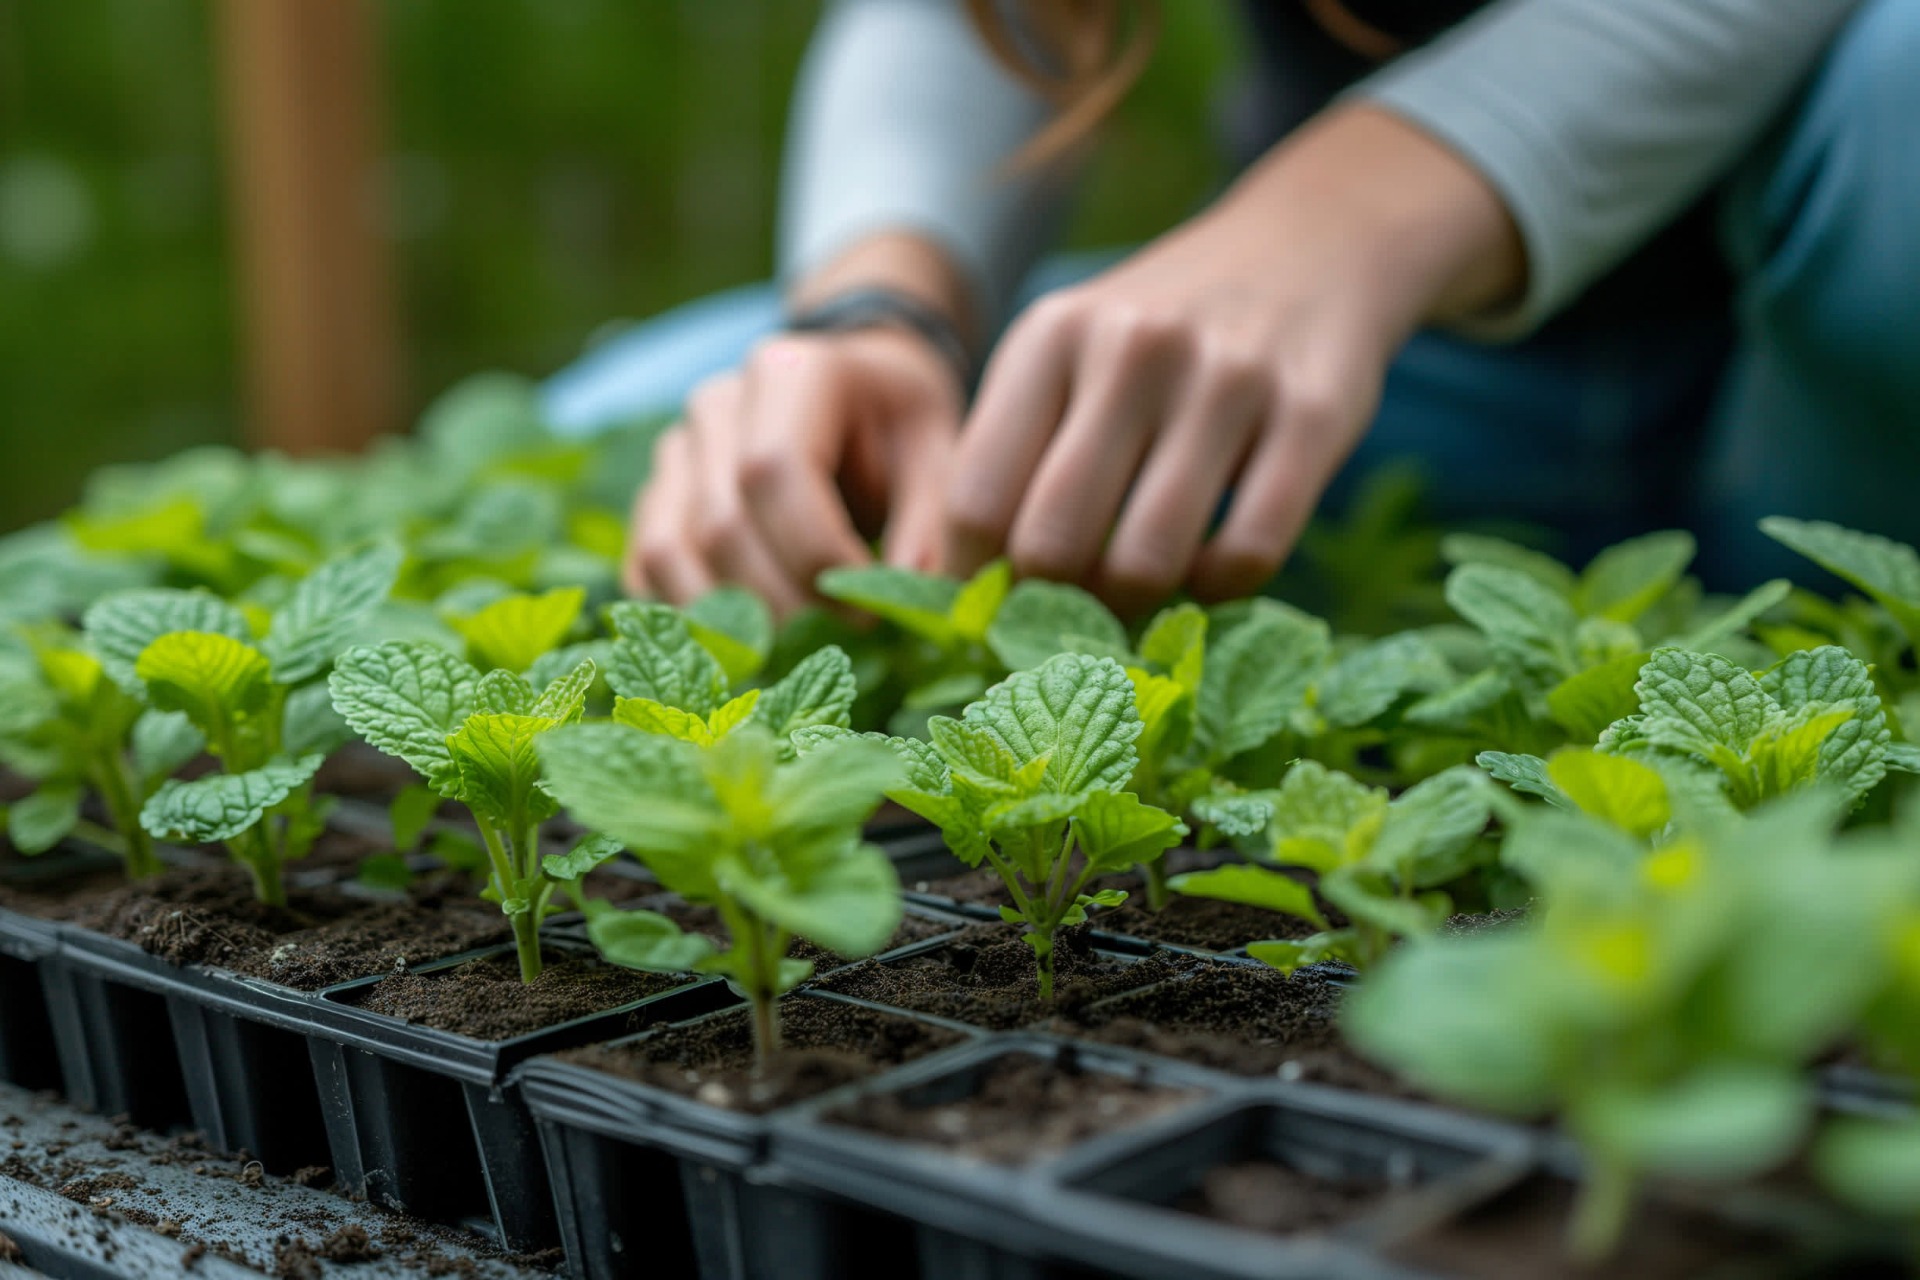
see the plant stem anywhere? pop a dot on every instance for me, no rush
(526, 941)
(267, 886)
(1600, 1215)
(1043, 962)
(1158, 895)
(117, 789)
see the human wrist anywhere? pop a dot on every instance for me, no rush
(901, 262)
(871, 308)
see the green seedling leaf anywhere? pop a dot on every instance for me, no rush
(405, 699)
(45, 818)
(820, 690)
(1176, 642)
(644, 790)
(1618, 790)
(978, 602)
(655, 656)
(1525, 774)
(1873, 1164)
(163, 741)
(1627, 579)
(1723, 1121)
(1366, 682)
(1253, 887)
(591, 851)
(920, 604)
(1429, 828)
(212, 678)
(1584, 704)
(1530, 628)
(326, 609)
(502, 693)
(735, 626)
(410, 814)
(1886, 570)
(1473, 548)
(1316, 810)
(222, 806)
(121, 626)
(835, 890)
(1256, 676)
(1237, 817)
(498, 768)
(512, 633)
(646, 940)
(310, 724)
(1699, 703)
(1852, 757)
(1041, 618)
(1116, 829)
(1075, 712)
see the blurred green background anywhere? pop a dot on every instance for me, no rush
(555, 166)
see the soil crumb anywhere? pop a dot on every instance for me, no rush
(486, 999)
(825, 1044)
(1020, 1109)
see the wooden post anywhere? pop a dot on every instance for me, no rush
(320, 329)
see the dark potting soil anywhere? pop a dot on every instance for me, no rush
(986, 976)
(1021, 1109)
(1206, 923)
(1246, 1019)
(486, 999)
(825, 1044)
(1265, 1195)
(323, 936)
(1521, 1234)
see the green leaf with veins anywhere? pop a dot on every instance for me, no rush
(1430, 826)
(1254, 887)
(1524, 773)
(636, 939)
(1073, 711)
(1886, 570)
(1176, 642)
(1116, 829)
(915, 602)
(499, 769)
(820, 690)
(655, 717)
(1473, 548)
(222, 806)
(1234, 815)
(405, 698)
(589, 852)
(565, 697)
(213, 679)
(1701, 703)
(325, 610)
(1257, 674)
(1618, 790)
(120, 627)
(655, 656)
(1041, 618)
(978, 602)
(1630, 577)
(735, 626)
(502, 693)
(1530, 627)
(645, 790)
(1315, 812)
(43, 819)
(1853, 757)
(514, 631)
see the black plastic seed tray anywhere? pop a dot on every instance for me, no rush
(423, 1120)
(968, 1218)
(27, 1056)
(1116, 1203)
(649, 1182)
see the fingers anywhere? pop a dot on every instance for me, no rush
(798, 414)
(1020, 402)
(1180, 485)
(724, 536)
(1284, 476)
(664, 560)
(918, 465)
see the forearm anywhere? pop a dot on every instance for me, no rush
(901, 128)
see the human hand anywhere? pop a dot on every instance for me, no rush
(788, 465)
(1242, 353)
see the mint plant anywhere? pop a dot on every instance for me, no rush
(1030, 780)
(1657, 1002)
(1380, 862)
(771, 842)
(259, 705)
(473, 738)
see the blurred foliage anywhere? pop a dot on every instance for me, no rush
(554, 166)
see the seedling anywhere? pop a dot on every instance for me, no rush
(472, 737)
(773, 844)
(1380, 863)
(1030, 780)
(259, 705)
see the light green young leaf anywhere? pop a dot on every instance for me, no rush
(646, 940)
(832, 789)
(1473, 548)
(1369, 680)
(1430, 825)
(972, 749)
(1364, 900)
(120, 627)
(405, 698)
(655, 656)
(1584, 704)
(1873, 1164)
(1627, 579)
(1853, 757)
(1256, 675)
(1530, 627)
(1314, 809)
(835, 891)
(978, 602)
(410, 814)
(1697, 701)
(1176, 642)
(1618, 790)
(1786, 754)
(222, 806)
(511, 633)
(43, 819)
(1116, 829)
(550, 666)
(590, 851)
(499, 769)
(309, 723)
(1253, 887)
(1041, 618)
(326, 609)
(565, 698)
(1569, 854)
(502, 693)
(1075, 712)
(735, 626)
(163, 741)
(1723, 1121)
(918, 603)
(645, 790)
(1236, 816)
(212, 678)
(820, 690)
(1886, 570)
(1455, 709)
(1524, 773)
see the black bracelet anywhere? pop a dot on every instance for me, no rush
(873, 307)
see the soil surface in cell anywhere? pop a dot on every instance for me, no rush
(324, 935)
(1206, 923)
(1522, 1233)
(1265, 1195)
(486, 999)
(1020, 1109)
(1247, 1019)
(825, 1044)
(986, 976)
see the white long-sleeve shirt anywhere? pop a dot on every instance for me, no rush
(1598, 121)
